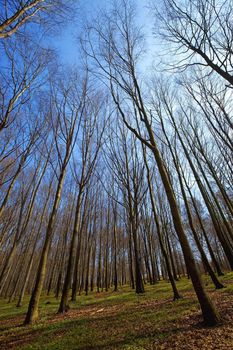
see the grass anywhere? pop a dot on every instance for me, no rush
(108, 320)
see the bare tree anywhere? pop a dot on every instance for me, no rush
(15, 14)
(24, 63)
(200, 32)
(66, 119)
(92, 133)
(117, 53)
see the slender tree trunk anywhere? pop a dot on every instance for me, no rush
(64, 305)
(32, 313)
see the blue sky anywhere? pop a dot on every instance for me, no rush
(66, 41)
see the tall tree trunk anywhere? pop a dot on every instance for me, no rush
(64, 305)
(33, 308)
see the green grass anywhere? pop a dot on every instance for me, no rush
(108, 320)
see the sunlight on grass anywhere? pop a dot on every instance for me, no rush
(107, 320)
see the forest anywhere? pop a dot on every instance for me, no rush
(116, 169)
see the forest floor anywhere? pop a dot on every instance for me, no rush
(122, 320)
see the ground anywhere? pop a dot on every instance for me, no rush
(122, 320)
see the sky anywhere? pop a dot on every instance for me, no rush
(66, 42)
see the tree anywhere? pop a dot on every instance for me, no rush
(90, 145)
(116, 56)
(24, 64)
(65, 125)
(15, 14)
(201, 32)
(124, 161)
(176, 294)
